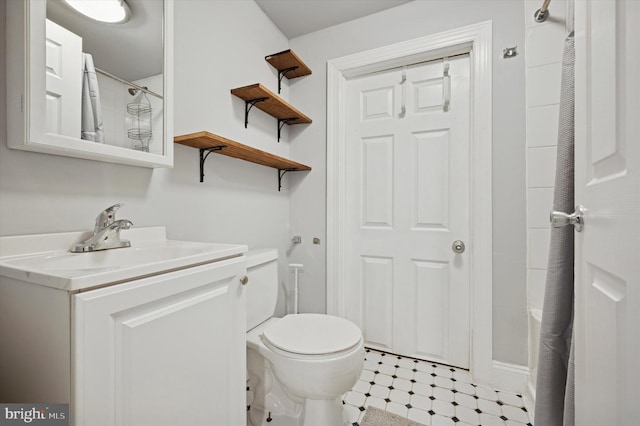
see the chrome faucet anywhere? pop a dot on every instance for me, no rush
(106, 218)
(106, 233)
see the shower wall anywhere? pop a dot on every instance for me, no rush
(114, 98)
(544, 44)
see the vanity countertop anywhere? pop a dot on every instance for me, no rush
(45, 259)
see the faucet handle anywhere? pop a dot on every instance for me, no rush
(106, 217)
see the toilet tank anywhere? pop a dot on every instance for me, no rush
(262, 288)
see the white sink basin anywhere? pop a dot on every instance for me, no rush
(77, 271)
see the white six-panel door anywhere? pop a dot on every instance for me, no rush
(607, 319)
(408, 193)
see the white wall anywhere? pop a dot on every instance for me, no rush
(416, 19)
(218, 45)
(544, 45)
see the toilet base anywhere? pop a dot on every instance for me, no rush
(273, 405)
(274, 411)
(323, 412)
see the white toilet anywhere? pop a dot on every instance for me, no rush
(298, 366)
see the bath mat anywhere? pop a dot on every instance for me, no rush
(377, 417)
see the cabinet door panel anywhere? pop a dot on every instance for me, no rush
(163, 350)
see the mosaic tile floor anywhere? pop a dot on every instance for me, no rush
(430, 394)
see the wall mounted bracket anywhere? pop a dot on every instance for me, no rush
(281, 75)
(247, 107)
(281, 173)
(282, 122)
(203, 157)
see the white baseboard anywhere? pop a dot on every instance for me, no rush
(509, 377)
(529, 398)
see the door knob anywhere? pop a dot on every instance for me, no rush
(458, 246)
(560, 219)
(244, 280)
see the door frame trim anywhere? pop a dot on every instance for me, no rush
(476, 40)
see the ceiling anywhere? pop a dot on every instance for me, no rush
(132, 50)
(298, 17)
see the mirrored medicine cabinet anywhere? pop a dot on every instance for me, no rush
(87, 89)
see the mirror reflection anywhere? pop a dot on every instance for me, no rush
(104, 80)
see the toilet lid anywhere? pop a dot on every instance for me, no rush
(313, 334)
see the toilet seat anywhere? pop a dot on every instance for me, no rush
(312, 334)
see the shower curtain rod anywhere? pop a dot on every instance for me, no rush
(542, 14)
(128, 83)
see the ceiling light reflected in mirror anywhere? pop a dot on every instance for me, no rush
(108, 11)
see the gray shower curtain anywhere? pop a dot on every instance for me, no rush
(555, 383)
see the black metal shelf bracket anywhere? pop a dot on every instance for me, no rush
(281, 173)
(247, 107)
(203, 157)
(282, 122)
(281, 74)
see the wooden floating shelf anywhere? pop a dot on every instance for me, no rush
(288, 63)
(211, 142)
(270, 103)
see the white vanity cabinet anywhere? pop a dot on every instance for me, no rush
(166, 349)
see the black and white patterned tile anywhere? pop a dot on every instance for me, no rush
(431, 394)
